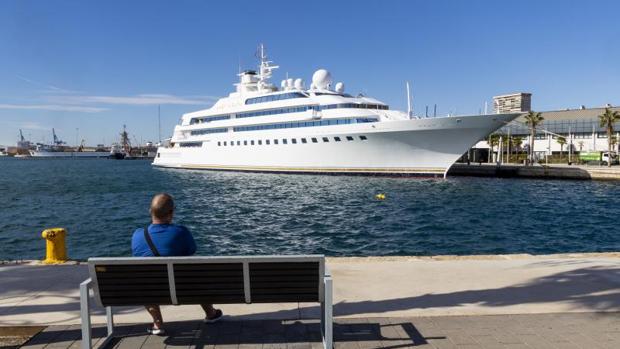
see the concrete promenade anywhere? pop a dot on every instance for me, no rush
(448, 294)
(553, 171)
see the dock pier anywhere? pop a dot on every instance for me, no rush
(556, 171)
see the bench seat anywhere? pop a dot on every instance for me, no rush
(138, 281)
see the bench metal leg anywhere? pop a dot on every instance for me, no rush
(87, 341)
(327, 326)
(85, 315)
(109, 316)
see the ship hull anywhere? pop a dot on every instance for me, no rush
(417, 147)
(68, 154)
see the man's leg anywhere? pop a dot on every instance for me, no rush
(209, 310)
(213, 315)
(155, 312)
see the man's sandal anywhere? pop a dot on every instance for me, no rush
(216, 318)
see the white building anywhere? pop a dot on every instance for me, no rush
(580, 127)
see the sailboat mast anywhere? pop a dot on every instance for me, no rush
(159, 122)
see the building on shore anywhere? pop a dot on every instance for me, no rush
(580, 129)
(512, 103)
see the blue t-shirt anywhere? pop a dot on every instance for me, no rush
(169, 239)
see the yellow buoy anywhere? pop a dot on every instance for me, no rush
(380, 196)
(55, 248)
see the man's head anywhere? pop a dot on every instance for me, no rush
(162, 209)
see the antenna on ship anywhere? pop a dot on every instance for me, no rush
(409, 110)
(159, 122)
(265, 70)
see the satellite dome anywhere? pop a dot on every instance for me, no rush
(299, 84)
(322, 79)
(339, 87)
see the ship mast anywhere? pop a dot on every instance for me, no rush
(265, 70)
(125, 142)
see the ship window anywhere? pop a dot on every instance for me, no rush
(284, 141)
(200, 120)
(238, 142)
(224, 143)
(191, 144)
(294, 140)
(337, 139)
(245, 142)
(275, 141)
(314, 140)
(304, 141)
(232, 143)
(277, 97)
(363, 138)
(349, 138)
(260, 142)
(267, 142)
(325, 139)
(158, 155)
(207, 131)
(218, 144)
(251, 142)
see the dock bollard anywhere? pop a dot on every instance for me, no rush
(55, 248)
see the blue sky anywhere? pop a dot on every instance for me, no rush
(86, 68)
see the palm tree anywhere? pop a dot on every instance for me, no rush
(580, 144)
(561, 141)
(493, 141)
(533, 119)
(607, 120)
(516, 145)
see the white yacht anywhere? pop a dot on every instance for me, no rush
(320, 129)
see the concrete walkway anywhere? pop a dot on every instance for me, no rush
(32, 294)
(561, 331)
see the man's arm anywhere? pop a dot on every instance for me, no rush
(190, 244)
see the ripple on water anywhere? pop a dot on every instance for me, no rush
(101, 202)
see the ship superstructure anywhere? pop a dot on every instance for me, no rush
(319, 129)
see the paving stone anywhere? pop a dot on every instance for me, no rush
(535, 341)
(545, 331)
(487, 341)
(442, 343)
(45, 337)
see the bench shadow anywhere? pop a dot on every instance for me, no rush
(198, 335)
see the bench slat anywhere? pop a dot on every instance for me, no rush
(284, 282)
(235, 286)
(209, 283)
(284, 299)
(211, 300)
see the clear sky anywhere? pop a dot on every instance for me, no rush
(86, 68)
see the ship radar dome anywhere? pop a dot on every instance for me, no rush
(299, 84)
(339, 87)
(322, 79)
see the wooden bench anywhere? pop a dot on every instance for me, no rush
(134, 281)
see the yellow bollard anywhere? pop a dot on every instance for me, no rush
(55, 248)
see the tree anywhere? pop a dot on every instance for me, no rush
(607, 120)
(561, 141)
(493, 141)
(516, 144)
(533, 119)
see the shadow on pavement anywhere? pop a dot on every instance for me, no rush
(199, 335)
(592, 289)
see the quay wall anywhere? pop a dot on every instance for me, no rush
(544, 172)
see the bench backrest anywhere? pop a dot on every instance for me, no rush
(217, 280)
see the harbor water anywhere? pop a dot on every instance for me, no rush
(101, 202)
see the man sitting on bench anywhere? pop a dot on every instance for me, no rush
(162, 238)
